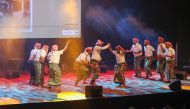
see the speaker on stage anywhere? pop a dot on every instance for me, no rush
(180, 74)
(93, 91)
(175, 85)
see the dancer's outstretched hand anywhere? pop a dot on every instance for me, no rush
(69, 41)
(109, 44)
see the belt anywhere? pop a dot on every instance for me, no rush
(122, 63)
(94, 60)
(54, 63)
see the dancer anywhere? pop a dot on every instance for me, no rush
(120, 66)
(39, 65)
(33, 53)
(137, 52)
(160, 58)
(149, 51)
(170, 58)
(96, 58)
(54, 58)
(82, 65)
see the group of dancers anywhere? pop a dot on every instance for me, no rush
(88, 62)
(165, 55)
(36, 64)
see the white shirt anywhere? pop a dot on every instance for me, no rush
(148, 50)
(120, 58)
(83, 58)
(41, 53)
(170, 52)
(136, 48)
(33, 54)
(161, 49)
(97, 51)
(54, 56)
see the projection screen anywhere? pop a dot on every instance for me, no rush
(40, 19)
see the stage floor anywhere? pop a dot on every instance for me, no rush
(16, 91)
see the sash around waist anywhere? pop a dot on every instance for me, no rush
(93, 60)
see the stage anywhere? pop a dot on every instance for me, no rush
(18, 90)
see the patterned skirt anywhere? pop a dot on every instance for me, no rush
(119, 76)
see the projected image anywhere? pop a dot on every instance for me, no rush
(14, 14)
(40, 19)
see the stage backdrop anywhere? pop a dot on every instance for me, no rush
(114, 21)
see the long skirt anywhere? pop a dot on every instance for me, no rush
(147, 65)
(81, 70)
(55, 75)
(137, 67)
(160, 66)
(119, 76)
(32, 71)
(95, 70)
(39, 68)
(169, 70)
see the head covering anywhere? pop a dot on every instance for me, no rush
(147, 41)
(120, 48)
(135, 39)
(169, 44)
(99, 42)
(87, 49)
(160, 38)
